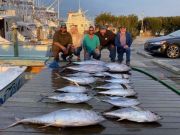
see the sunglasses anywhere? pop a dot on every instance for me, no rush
(63, 27)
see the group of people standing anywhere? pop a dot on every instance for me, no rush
(71, 43)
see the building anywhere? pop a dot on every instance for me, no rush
(79, 20)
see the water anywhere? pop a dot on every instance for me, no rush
(36, 51)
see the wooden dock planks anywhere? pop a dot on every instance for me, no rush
(152, 95)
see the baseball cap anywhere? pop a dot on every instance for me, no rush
(103, 27)
(62, 25)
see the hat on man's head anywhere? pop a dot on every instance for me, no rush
(63, 24)
(122, 26)
(103, 27)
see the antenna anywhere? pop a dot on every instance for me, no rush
(79, 4)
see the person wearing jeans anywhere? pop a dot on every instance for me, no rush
(62, 43)
(123, 43)
(91, 45)
(107, 41)
(77, 41)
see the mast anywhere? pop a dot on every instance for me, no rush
(58, 9)
(79, 4)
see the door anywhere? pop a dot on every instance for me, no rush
(2, 29)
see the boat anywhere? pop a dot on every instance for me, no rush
(35, 23)
(79, 20)
(11, 79)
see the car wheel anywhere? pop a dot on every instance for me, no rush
(173, 51)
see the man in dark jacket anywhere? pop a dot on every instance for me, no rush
(106, 38)
(123, 43)
(62, 42)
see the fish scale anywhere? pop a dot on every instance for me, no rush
(81, 80)
(73, 89)
(89, 68)
(88, 62)
(116, 67)
(110, 86)
(122, 102)
(121, 81)
(71, 97)
(119, 92)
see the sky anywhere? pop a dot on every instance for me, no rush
(123, 7)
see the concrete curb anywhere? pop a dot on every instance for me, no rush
(167, 66)
(144, 54)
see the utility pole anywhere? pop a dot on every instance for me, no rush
(15, 40)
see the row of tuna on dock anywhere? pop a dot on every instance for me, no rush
(116, 90)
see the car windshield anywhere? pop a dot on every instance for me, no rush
(175, 34)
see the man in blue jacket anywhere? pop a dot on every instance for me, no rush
(123, 43)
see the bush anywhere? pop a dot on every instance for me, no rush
(158, 24)
(131, 22)
(152, 24)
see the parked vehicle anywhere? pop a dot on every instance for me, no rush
(168, 45)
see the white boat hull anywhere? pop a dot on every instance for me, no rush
(11, 79)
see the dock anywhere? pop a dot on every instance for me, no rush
(153, 96)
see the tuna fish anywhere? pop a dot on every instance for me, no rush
(119, 92)
(73, 89)
(90, 62)
(71, 98)
(127, 86)
(122, 102)
(119, 76)
(81, 80)
(64, 118)
(80, 74)
(121, 81)
(110, 86)
(135, 114)
(101, 74)
(116, 67)
(89, 68)
(116, 76)
(126, 76)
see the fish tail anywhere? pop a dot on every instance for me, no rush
(58, 76)
(104, 100)
(120, 119)
(42, 98)
(92, 86)
(64, 67)
(75, 83)
(18, 121)
(98, 100)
